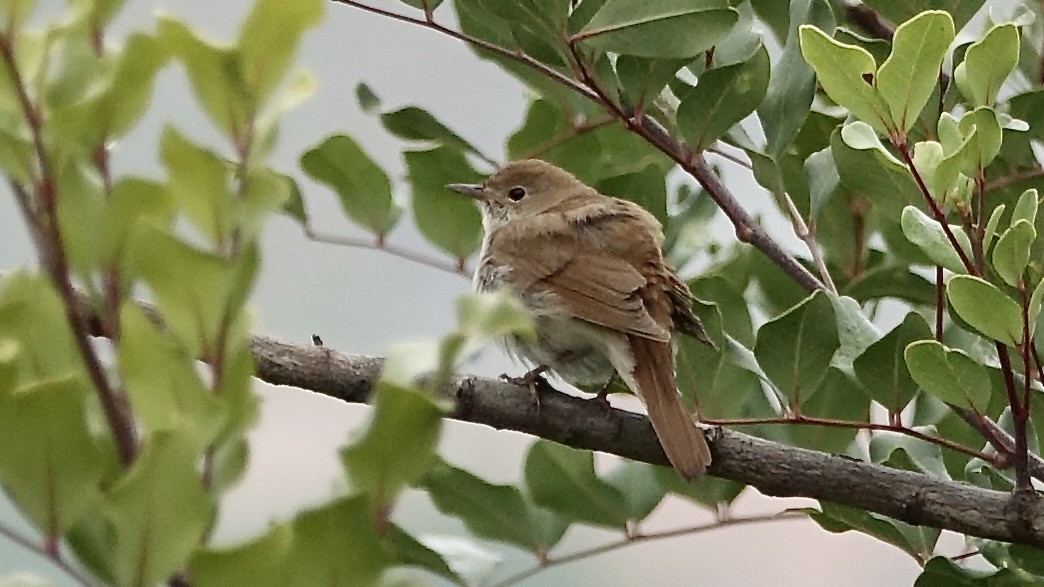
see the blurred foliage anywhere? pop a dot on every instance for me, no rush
(901, 155)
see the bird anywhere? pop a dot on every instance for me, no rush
(605, 303)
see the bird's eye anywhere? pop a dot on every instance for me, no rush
(517, 193)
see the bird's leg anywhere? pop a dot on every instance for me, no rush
(602, 398)
(529, 380)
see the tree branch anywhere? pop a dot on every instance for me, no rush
(774, 469)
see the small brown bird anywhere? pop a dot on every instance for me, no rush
(605, 302)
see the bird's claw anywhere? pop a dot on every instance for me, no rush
(530, 381)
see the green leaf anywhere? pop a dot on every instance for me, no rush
(131, 202)
(890, 281)
(985, 308)
(117, 100)
(411, 552)
(987, 143)
(943, 572)
(723, 98)
(907, 78)
(214, 72)
(949, 374)
(840, 518)
(793, 83)
(906, 452)
(261, 562)
(159, 511)
(200, 184)
(369, 102)
(451, 222)
(639, 486)
(194, 290)
(855, 332)
(842, 70)
(1035, 303)
(823, 180)
(961, 10)
(795, 347)
(415, 124)
(483, 317)
(882, 366)
(929, 236)
(420, 4)
(1026, 207)
(363, 187)
(868, 169)
(493, 512)
(1012, 253)
(991, 227)
(32, 314)
(337, 545)
(50, 465)
(709, 492)
(162, 382)
(987, 63)
(668, 28)
(398, 446)
(268, 40)
(562, 479)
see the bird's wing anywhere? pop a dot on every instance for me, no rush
(592, 284)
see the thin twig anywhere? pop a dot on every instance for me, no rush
(803, 232)
(1013, 178)
(636, 538)
(832, 423)
(54, 557)
(720, 153)
(457, 268)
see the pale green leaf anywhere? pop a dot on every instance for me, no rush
(363, 187)
(949, 374)
(667, 28)
(843, 72)
(986, 308)
(1012, 253)
(987, 63)
(723, 97)
(930, 237)
(906, 79)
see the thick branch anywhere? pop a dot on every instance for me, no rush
(773, 468)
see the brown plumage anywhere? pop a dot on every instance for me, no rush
(605, 301)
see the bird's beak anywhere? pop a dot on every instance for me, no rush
(470, 190)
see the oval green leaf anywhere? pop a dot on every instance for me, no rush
(723, 97)
(949, 374)
(666, 28)
(985, 308)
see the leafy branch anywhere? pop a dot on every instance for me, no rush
(747, 229)
(40, 208)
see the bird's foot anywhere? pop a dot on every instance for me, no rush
(530, 380)
(602, 398)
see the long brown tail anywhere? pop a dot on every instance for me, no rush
(681, 439)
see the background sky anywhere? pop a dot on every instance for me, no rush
(362, 301)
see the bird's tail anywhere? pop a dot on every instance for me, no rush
(682, 441)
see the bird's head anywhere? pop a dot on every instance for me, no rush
(522, 189)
